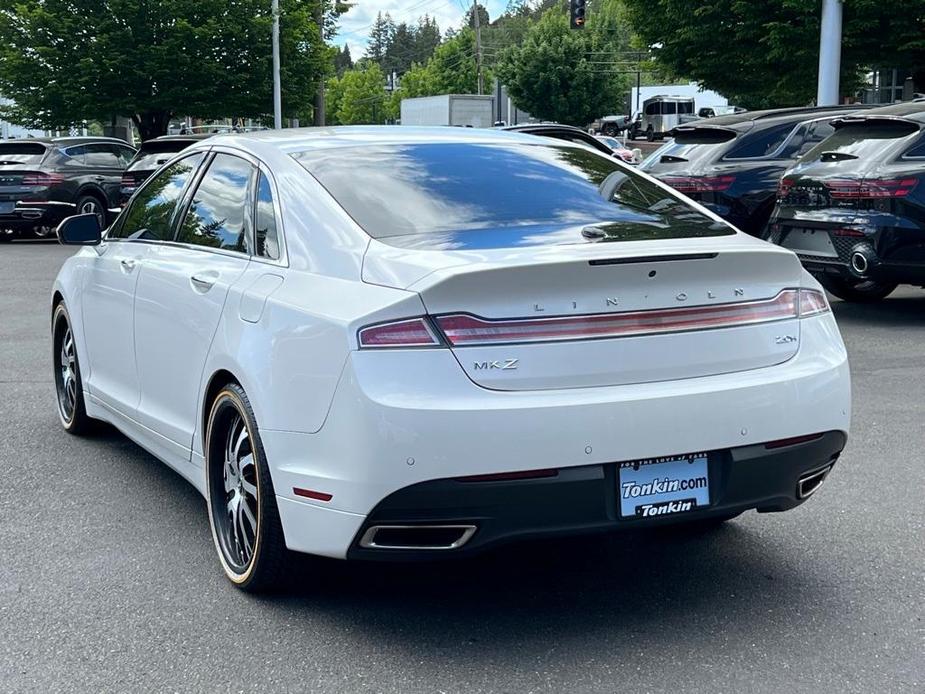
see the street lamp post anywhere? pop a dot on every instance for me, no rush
(829, 53)
(277, 96)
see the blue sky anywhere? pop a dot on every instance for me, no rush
(355, 25)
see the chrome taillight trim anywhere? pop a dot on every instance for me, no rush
(461, 329)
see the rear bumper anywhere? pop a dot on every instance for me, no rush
(400, 418)
(584, 499)
(28, 215)
(896, 254)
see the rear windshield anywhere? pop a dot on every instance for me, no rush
(864, 141)
(153, 154)
(21, 153)
(689, 149)
(761, 143)
(504, 194)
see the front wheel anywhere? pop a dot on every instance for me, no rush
(68, 385)
(858, 291)
(245, 523)
(650, 134)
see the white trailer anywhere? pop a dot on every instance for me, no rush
(467, 110)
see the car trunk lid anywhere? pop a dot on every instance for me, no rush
(604, 314)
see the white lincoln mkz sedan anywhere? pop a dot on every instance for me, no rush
(396, 342)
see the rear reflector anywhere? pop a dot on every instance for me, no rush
(781, 443)
(413, 332)
(312, 494)
(699, 184)
(461, 329)
(506, 476)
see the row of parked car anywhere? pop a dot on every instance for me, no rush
(840, 186)
(44, 180)
(843, 187)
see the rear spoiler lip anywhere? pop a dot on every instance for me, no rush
(862, 119)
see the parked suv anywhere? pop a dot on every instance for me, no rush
(44, 180)
(853, 208)
(150, 156)
(731, 164)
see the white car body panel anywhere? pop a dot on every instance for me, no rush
(360, 424)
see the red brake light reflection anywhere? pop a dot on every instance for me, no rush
(699, 184)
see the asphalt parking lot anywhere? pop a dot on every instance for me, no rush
(108, 580)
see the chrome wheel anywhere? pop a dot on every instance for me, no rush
(67, 371)
(238, 524)
(91, 206)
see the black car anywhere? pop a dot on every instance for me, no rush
(150, 156)
(853, 208)
(731, 164)
(44, 180)
(568, 133)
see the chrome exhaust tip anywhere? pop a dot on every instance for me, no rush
(809, 483)
(859, 263)
(417, 537)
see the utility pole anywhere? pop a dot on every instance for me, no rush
(277, 94)
(319, 93)
(829, 53)
(478, 43)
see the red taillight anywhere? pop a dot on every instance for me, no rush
(866, 189)
(812, 302)
(128, 181)
(471, 330)
(42, 179)
(413, 332)
(699, 184)
(784, 187)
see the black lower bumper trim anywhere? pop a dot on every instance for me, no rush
(584, 499)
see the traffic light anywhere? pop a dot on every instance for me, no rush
(576, 13)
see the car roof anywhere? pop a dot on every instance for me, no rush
(290, 140)
(68, 140)
(776, 116)
(192, 137)
(910, 110)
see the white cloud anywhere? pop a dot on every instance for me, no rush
(354, 26)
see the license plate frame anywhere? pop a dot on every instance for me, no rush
(663, 486)
(806, 241)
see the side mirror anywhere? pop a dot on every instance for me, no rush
(80, 230)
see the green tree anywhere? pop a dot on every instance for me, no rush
(452, 66)
(764, 54)
(64, 61)
(562, 75)
(483, 16)
(380, 37)
(361, 96)
(426, 39)
(342, 60)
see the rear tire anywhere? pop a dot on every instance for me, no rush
(243, 516)
(72, 411)
(857, 291)
(90, 204)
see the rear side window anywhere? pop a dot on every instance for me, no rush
(102, 155)
(864, 140)
(218, 214)
(21, 153)
(504, 194)
(918, 149)
(153, 154)
(804, 138)
(669, 108)
(686, 107)
(761, 143)
(266, 235)
(152, 209)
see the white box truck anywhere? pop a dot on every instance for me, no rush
(467, 110)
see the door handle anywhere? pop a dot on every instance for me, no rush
(203, 281)
(127, 264)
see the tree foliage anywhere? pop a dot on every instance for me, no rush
(560, 74)
(763, 54)
(64, 61)
(358, 96)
